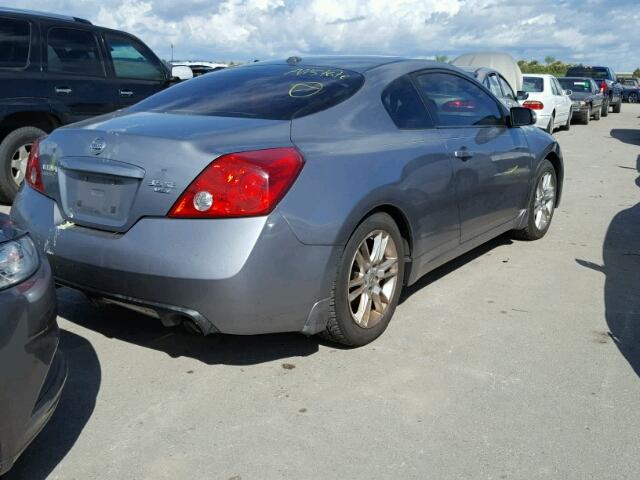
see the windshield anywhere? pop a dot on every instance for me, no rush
(275, 92)
(575, 84)
(599, 73)
(631, 83)
(532, 84)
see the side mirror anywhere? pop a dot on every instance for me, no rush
(568, 92)
(521, 117)
(522, 95)
(182, 72)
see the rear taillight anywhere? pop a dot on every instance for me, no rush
(243, 184)
(34, 172)
(603, 86)
(533, 105)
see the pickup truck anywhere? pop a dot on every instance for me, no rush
(56, 70)
(609, 85)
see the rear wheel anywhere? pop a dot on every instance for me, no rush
(567, 126)
(368, 283)
(551, 126)
(633, 98)
(14, 153)
(541, 205)
(617, 108)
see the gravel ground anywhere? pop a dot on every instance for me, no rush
(518, 361)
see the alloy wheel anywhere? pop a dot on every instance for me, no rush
(373, 278)
(633, 98)
(544, 201)
(19, 161)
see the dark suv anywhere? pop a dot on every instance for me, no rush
(56, 70)
(609, 85)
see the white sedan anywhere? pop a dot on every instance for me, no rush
(551, 103)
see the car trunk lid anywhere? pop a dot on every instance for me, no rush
(110, 173)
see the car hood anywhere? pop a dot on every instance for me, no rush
(580, 95)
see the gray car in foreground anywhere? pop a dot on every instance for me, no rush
(298, 195)
(32, 370)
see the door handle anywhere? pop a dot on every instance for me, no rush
(463, 154)
(125, 93)
(63, 90)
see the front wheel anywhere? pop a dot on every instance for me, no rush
(633, 98)
(605, 108)
(596, 116)
(587, 116)
(368, 284)
(567, 126)
(541, 204)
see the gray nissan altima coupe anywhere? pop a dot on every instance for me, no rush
(296, 195)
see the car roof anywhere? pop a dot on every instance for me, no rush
(34, 13)
(356, 63)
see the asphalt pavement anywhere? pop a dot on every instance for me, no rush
(519, 360)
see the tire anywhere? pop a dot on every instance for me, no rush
(534, 230)
(343, 325)
(12, 149)
(633, 98)
(605, 108)
(617, 108)
(552, 123)
(596, 116)
(567, 126)
(586, 116)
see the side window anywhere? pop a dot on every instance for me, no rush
(494, 86)
(132, 59)
(74, 51)
(458, 102)
(555, 87)
(404, 105)
(15, 39)
(506, 88)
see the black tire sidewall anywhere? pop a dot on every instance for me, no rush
(8, 147)
(353, 333)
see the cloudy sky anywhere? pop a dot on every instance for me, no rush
(588, 31)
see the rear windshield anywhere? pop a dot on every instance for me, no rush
(15, 36)
(599, 73)
(575, 84)
(533, 84)
(275, 92)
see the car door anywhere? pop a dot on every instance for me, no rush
(137, 71)
(75, 72)
(562, 101)
(491, 161)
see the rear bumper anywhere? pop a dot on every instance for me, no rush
(238, 276)
(34, 371)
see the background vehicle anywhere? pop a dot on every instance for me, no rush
(551, 103)
(33, 371)
(324, 185)
(609, 85)
(586, 97)
(200, 68)
(500, 62)
(631, 90)
(495, 82)
(56, 70)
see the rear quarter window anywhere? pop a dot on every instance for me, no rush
(274, 92)
(404, 105)
(15, 41)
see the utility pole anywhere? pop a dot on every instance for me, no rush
(172, 53)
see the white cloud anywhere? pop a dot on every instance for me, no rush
(593, 31)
